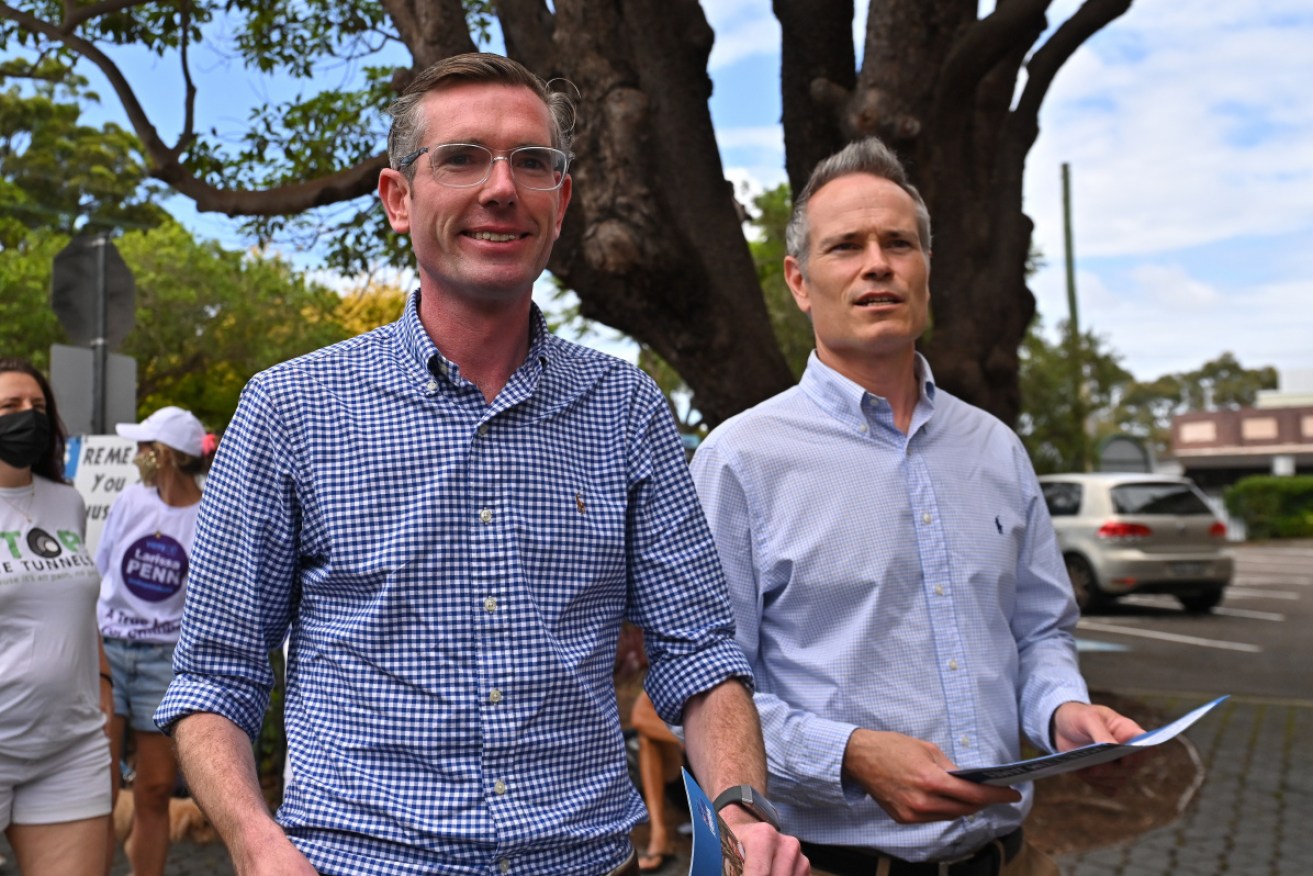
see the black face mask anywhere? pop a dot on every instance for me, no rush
(24, 437)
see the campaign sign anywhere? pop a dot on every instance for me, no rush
(102, 470)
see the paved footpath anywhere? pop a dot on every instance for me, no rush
(1250, 817)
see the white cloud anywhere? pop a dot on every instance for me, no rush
(1181, 130)
(744, 29)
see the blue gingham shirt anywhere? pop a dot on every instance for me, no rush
(453, 574)
(903, 582)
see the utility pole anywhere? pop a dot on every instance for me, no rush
(1074, 357)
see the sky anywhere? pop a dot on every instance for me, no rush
(1188, 128)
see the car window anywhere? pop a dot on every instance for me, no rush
(1063, 499)
(1154, 498)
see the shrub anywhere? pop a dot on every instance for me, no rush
(1273, 507)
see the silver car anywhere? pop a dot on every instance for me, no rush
(1138, 533)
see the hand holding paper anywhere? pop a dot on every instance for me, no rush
(1082, 757)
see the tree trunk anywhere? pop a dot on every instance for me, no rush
(937, 85)
(654, 244)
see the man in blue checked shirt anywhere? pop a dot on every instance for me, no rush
(896, 581)
(452, 515)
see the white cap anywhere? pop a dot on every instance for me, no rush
(171, 426)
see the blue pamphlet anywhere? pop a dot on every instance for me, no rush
(716, 852)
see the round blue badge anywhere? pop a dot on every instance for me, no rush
(154, 567)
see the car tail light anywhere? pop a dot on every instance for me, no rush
(1217, 530)
(1119, 531)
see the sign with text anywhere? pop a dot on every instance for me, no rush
(104, 469)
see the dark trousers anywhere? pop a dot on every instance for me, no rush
(988, 860)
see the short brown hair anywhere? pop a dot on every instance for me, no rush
(408, 125)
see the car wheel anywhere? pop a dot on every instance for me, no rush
(1083, 582)
(1201, 603)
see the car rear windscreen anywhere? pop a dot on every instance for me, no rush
(1156, 498)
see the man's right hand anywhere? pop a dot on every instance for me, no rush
(217, 760)
(273, 855)
(910, 778)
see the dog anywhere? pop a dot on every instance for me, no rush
(186, 820)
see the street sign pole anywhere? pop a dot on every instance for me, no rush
(99, 344)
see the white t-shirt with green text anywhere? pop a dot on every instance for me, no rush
(49, 662)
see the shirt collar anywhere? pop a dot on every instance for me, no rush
(417, 344)
(844, 399)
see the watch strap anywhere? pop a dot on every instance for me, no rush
(750, 799)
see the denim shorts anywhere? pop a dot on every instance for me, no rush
(142, 672)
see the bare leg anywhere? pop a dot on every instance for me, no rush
(69, 848)
(151, 790)
(118, 729)
(659, 758)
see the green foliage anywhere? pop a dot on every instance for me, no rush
(1050, 425)
(59, 174)
(27, 324)
(1115, 403)
(1273, 507)
(209, 318)
(793, 330)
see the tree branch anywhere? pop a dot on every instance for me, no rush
(74, 15)
(155, 146)
(360, 179)
(166, 166)
(1092, 16)
(188, 134)
(527, 26)
(990, 39)
(431, 29)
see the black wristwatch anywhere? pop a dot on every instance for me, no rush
(750, 799)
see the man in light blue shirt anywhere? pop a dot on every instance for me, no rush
(896, 581)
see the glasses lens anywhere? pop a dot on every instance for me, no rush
(460, 164)
(538, 167)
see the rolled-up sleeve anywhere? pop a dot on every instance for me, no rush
(243, 577)
(677, 591)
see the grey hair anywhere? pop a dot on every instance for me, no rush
(408, 124)
(869, 156)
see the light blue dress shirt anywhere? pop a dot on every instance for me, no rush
(454, 574)
(909, 583)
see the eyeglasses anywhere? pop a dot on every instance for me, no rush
(463, 165)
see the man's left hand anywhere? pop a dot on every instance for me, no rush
(1077, 724)
(766, 851)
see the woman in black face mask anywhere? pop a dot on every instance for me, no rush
(54, 679)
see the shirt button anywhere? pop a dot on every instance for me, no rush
(926, 518)
(490, 604)
(431, 387)
(499, 787)
(952, 664)
(504, 865)
(485, 515)
(483, 429)
(862, 428)
(966, 741)
(494, 696)
(939, 590)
